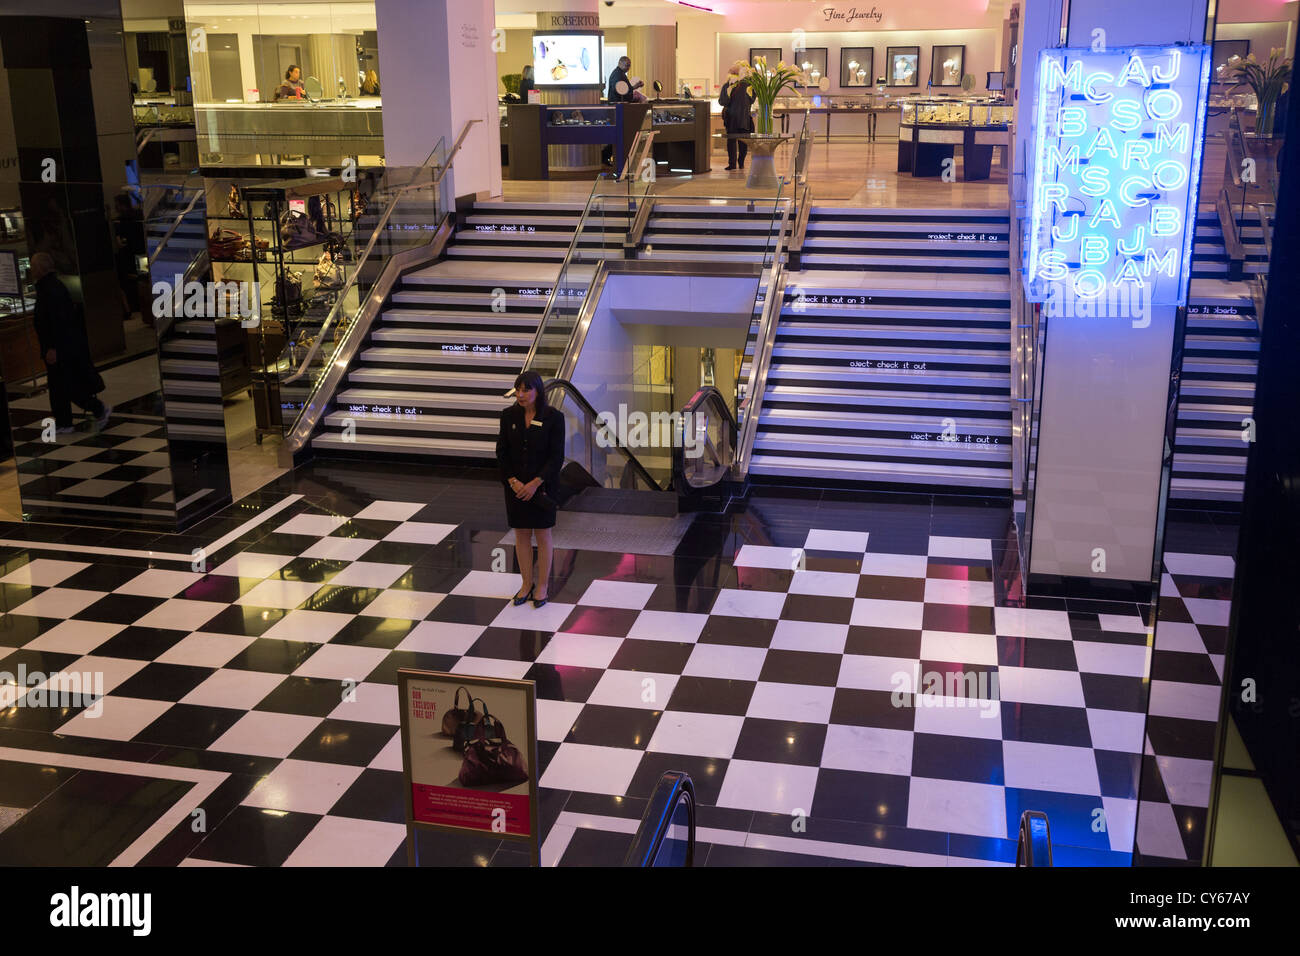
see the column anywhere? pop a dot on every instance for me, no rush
(437, 69)
(1109, 377)
(653, 51)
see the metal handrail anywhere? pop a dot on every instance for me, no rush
(1034, 847)
(340, 302)
(153, 256)
(674, 787)
(710, 395)
(593, 417)
(758, 365)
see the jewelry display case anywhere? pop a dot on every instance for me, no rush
(931, 130)
(681, 143)
(532, 127)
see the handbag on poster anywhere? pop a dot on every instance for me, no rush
(465, 729)
(490, 757)
(457, 715)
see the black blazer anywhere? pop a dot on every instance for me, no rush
(533, 452)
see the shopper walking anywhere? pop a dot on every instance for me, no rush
(530, 451)
(737, 121)
(61, 329)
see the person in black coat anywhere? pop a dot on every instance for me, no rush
(70, 371)
(736, 119)
(530, 452)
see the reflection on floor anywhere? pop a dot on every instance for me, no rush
(779, 690)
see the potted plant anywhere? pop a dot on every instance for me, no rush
(766, 84)
(1268, 82)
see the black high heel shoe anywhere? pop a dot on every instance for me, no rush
(520, 599)
(538, 602)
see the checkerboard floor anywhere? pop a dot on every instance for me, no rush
(845, 681)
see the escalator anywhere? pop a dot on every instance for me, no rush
(666, 836)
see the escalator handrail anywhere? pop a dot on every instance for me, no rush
(709, 395)
(556, 384)
(673, 786)
(1034, 848)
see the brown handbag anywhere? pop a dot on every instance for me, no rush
(454, 718)
(490, 757)
(225, 243)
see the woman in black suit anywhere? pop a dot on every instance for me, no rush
(530, 451)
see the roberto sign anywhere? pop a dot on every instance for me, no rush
(1118, 137)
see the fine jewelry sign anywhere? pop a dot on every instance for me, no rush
(854, 17)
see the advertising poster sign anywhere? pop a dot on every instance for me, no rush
(469, 755)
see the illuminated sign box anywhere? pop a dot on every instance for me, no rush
(1118, 139)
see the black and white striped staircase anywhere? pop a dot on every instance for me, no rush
(891, 363)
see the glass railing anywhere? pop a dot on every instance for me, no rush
(767, 309)
(600, 234)
(666, 836)
(593, 446)
(397, 209)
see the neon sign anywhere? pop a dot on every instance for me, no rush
(1118, 137)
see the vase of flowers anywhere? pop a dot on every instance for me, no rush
(1268, 81)
(765, 84)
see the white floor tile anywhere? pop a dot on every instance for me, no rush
(875, 612)
(1122, 660)
(312, 627)
(1117, 730)
(828, 583)
(205, 650)
(555, 718)
(725, 661)
(894, 565)
(1179, 636)
(549, 617)
(1126, 623)
(1053, 767)
(1187, 781)
(252, 564)
(276, 593)
(342, 662)
(489, 584)
(1158, 833)
(73, 637)
(677, 626)
(1032, 622)
(371, 704)
(1190, 701)
(589, 769)
(697, 735)
(264, 734)
(734, 602)
(390, 510)
(304, 786)
(1209, 611)
(768, 787)
(341, 841)
(180, 614)
(1200, 565)
(958, 591)
(339, 549)
(404, 605)
(580, 650)
(441, 637)
(369, 574)
(801, 702)
(762, 556)
(62, 603)
(43, 572)
(491, 667)
(852, 541)
(420, 532)
(868, 749)
(959, 648)
(1038, 685)
(160, 583)
(1121, 822)
(236, 689)
(955, 806)
(120, 718)
(810, 636)
(316, 526)
(893, 674)
(626, 594)
(641, 689)
(958, 716)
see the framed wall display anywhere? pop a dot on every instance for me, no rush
(773, 54)
(812, 60)
(947, 64)
(1224, 50)
(903, 64)
(469, 756)
(995, 81)
(857, 66)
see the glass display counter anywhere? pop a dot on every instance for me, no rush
(868, 115)
(293, 133)
(529, 128)
(930, 131)
(681, 143)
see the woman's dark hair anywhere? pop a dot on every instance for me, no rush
(288, 74)
(530, 379)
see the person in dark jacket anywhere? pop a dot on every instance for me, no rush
(70, 371)
(620, 89)
(736, 120)
(527, 82)
(530, 451)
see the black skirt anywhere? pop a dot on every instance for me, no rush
(528, 514)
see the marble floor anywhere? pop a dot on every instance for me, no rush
(793, 646)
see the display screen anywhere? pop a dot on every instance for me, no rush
(567, 59)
